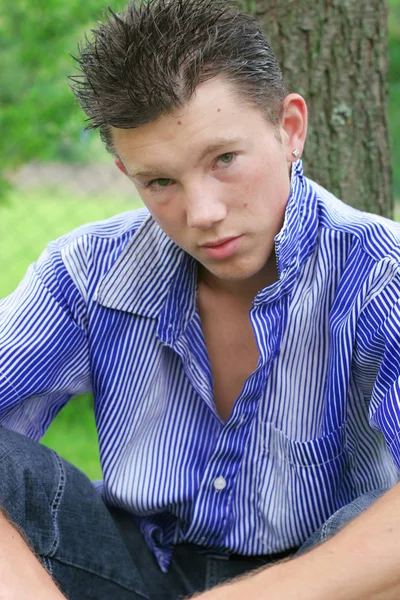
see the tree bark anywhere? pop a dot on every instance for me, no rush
(335, 54)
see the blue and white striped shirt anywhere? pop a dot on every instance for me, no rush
(111, 308)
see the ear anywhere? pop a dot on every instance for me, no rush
(120, 166)
(294, 126)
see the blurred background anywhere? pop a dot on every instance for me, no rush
(56, 176)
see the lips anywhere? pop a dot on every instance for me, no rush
(218, 243)
(223, 248)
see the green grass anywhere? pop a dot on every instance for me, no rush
(27, 223)
(73, 435)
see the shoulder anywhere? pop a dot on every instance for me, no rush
(77, 261)
(377, 236)
(117, 228)
(97, 242)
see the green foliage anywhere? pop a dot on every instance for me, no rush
(39, 118)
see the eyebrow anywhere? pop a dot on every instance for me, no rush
(218, 144)
(214, 146)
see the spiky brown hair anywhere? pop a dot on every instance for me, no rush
(147, 61)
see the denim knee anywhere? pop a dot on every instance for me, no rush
(340, 519)
(31, 486)
(65, 521)
(348, 513)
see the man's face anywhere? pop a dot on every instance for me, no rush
(215, 177)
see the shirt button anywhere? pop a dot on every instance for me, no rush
(220, 483)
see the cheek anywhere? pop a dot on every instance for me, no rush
(250, 192)
(264, 195)
(165, 216)
(273, 181)
(161, 210)
(153, 209)
(159, 218)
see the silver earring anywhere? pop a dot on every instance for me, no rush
(296, 153)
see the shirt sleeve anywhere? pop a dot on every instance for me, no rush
(379, 344)
(44, 358)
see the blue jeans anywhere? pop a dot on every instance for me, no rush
(95, 552)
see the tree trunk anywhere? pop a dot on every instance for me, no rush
(334, 53)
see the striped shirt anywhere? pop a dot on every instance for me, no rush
(111, 308)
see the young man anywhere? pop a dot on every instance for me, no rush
(240, 336)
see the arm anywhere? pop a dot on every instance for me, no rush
(362, 562)
(43, 347)
(21, 574)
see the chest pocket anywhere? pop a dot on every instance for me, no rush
(300, 485)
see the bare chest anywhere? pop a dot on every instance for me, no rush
(232, 352)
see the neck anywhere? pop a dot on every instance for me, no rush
(242, 290)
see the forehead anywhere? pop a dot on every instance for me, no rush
(213, 114)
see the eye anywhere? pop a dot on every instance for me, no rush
(226, 159)
(159, 183)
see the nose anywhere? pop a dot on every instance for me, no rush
(204, 206)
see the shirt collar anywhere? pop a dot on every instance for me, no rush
(139, 280)
(297, 238)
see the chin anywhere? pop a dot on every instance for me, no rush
(234, 274)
